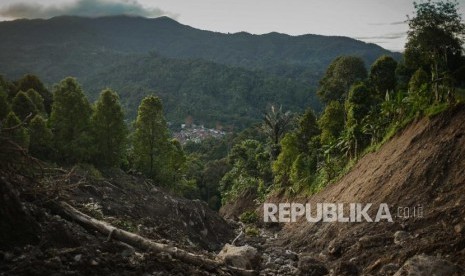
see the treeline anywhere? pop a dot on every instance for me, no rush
(364, 108)
(63, 127)
(210, 93)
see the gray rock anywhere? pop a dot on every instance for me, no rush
(420, 265)
(244, 257)
(400, 237)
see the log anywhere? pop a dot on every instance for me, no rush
(138, 241)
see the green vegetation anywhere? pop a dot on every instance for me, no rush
(227, 79)
(249, 217)
(364, 110)
(288, 152)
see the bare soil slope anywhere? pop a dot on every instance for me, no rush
(422, 165)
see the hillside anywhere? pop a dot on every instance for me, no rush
(422, 166)
(229, 78)
(294, 56)
(209, 93)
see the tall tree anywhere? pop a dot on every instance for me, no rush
(340, 75)
(332, 122)
(275, 124)
(70, 122)
(23, 107)
(151, 139)
(41, 138)
(37, 100)
(108, 129)
(18, 133)
(383, 75)
(33, 82)
(435, 39)
(307, 129)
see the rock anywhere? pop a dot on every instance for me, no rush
(379, 240)
(458, 228)
(291, 255)
(78, 257)
(311, 266)
(428, 265)
(94, 263)
(334, 248)
(389, 269)
(244, 257)
(400, 237)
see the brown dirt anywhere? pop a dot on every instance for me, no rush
(422, 165)
(59, 246)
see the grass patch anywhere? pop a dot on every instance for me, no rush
(436, 109)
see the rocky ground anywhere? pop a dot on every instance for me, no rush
(422, 165)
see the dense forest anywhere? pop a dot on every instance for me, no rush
(286, 152)
(194, 72)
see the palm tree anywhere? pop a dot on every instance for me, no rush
(275, 125)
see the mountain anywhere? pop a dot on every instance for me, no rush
(87, 47)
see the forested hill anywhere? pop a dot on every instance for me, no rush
(274, 52)
(267, 67)
(210, 93)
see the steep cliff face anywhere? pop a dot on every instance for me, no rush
(422, 166)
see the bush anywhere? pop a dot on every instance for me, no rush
(249, 217)
(252, 231)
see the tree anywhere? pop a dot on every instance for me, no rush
(331, 122)
(275, 124)
(418, 79)
(37, 100)
(307, 129)
(359, 103)
(151, 139)
(435, 39)
(383, 75)
(23, 107)
(340, 75)
(250, 169)
(70, 122)
(33, 82)
(19, 133)
(4, 105)
(108, 129)
(41, 138)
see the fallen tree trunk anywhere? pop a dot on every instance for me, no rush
(140, 242)
(136, 240)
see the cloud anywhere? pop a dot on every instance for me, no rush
(386, 36)
(389, 24)
(90, 8)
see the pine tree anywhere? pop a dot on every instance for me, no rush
(37, 100)
(70, 122)
(41, 138)
(23, 107)
(151, 140)
(18, 133)
(109, 130)
(33, 82)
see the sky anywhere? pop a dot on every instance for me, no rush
(377, 21)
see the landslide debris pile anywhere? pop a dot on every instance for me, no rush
(423, 165)
(37, 238)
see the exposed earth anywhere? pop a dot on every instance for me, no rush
(423, 165)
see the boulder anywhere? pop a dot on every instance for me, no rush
(243, 257)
